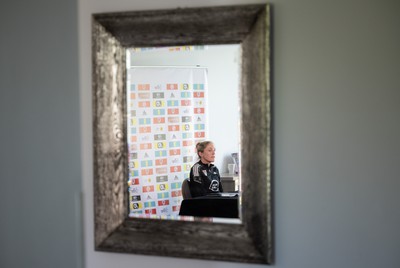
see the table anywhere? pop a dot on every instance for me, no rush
(211, 206)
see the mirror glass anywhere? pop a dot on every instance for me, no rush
(176, 97)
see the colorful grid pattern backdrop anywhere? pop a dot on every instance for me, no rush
(166, 118)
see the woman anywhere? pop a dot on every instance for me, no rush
(204, 176)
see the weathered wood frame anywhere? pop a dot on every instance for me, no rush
(112, 34)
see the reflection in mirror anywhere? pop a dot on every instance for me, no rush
(177, 97)
(112, 34)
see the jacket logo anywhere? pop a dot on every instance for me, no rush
(214, 186)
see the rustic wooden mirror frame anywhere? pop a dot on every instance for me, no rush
(112, 34)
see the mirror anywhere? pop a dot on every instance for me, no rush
(165, 117)
(112, 33)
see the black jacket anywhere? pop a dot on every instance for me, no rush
(204, 179)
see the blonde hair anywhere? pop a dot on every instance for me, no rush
(201, 146)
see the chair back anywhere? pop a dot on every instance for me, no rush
(185, 189)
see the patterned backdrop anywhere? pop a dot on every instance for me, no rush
(166, 118)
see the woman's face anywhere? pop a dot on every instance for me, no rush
(208, 156)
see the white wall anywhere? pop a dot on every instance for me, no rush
(222, 63)
(40, 165)
(336, 151)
